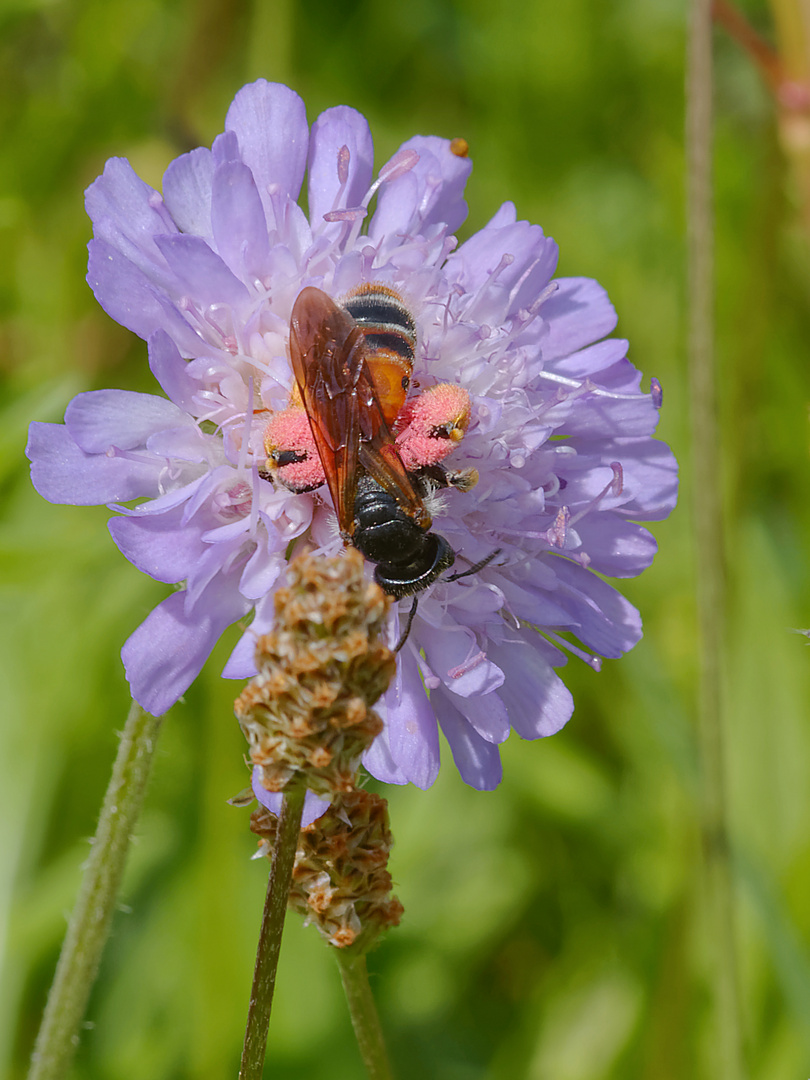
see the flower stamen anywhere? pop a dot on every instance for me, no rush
(468, 665)
(613, 487)
(557, 533)
(589, 387)
(402, 162)
(594, 662)
(343, 158)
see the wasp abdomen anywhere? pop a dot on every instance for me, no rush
(390, 339)
(378, 309)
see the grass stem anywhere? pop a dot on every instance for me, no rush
(710, 559)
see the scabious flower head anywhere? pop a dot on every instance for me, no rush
(558, 430)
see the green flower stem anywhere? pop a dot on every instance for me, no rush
(791, 22)
(89, 924)
(275, 908)
(710, 560)
(365, 1019)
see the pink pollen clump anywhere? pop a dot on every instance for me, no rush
(431, 424)
(291, 451)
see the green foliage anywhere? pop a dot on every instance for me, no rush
(551, 928)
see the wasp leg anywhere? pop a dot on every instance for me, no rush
(411, 614)
(476, 567)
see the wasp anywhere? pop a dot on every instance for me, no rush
(351, 426)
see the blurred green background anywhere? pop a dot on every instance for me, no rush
(553, 928)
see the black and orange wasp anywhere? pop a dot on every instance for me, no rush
(349, 425)
(379, 504)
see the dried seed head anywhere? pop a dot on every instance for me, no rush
(340, 880)
(307, 714)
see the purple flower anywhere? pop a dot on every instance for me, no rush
(313, 805)
(560, 432)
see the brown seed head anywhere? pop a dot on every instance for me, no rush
(308, 711)
(340, 880)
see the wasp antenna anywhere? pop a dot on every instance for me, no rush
(411, 614)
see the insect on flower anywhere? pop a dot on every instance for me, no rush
(348, 425)
(208, 271)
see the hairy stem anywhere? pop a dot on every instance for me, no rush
(267, 952)
(89, 924)
(365, 1019)
(709, 545)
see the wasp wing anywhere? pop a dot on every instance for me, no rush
(380, 459)
(328, 355)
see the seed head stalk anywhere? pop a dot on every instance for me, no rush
(363, 1011)
(269, 947)
(89, 925)
(308, 717)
